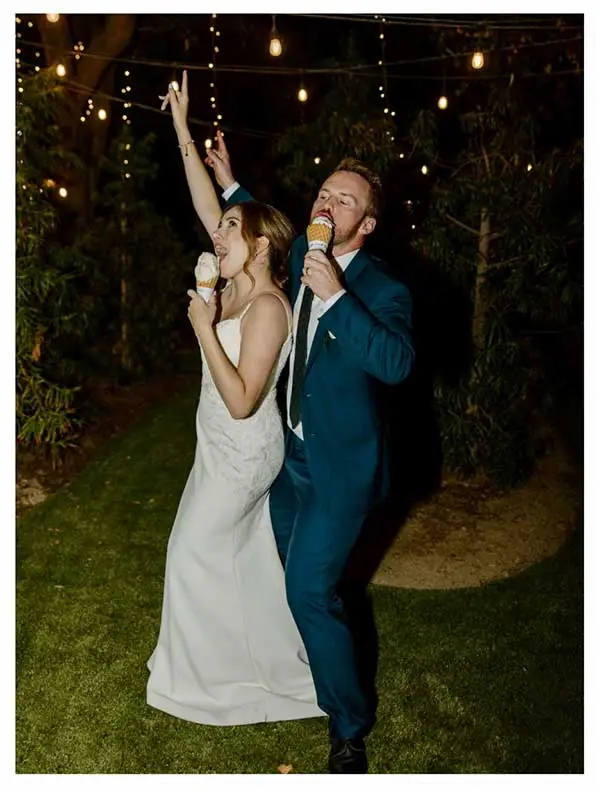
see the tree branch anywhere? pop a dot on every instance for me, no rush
(462, 225)
(109, 42)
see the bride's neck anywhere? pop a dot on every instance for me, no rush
(241, 287)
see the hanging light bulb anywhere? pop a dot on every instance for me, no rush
(302, 95)
(63, 192)
(424, 170)
(208, 143)
(52, 17)
(443, 102)
(530, 167)
(61, 70)
(317, 160)
(275, 45)
(477, 61)
(102, 114)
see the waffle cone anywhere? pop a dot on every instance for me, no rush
(319, 233)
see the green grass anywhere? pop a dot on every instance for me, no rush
(470, 681)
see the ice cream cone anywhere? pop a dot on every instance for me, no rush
(320, 232)
(207, 275)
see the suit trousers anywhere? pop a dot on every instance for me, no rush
(314, 546)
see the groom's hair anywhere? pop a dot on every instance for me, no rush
(356, 166)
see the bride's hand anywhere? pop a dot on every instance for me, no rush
(201, 314)
(179, 101)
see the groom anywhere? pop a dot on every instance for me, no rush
(351, 333)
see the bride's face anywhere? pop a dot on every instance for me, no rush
(230, 247)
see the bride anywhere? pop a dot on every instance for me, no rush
(228, 650)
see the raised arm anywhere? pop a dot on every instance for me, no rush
(204, 196)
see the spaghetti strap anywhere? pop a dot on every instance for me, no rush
(281, 299)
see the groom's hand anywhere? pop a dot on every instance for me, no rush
(321, 274)
(218, 160)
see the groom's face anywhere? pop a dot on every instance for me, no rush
(346, 196)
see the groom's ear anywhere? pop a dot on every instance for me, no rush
(368, 225)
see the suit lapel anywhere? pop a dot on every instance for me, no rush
(354, 269)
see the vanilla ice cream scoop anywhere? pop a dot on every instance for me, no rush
(207, 275)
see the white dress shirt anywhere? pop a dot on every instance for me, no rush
(316, 312)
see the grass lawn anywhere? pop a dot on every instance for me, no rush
(470, 681)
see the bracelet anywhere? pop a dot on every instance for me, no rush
(184, 147)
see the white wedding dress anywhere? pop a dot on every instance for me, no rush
(229, 651)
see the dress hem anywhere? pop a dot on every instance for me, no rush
(271, 708)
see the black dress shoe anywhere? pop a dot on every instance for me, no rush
(348, 756)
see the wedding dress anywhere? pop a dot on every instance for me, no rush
(228, 650)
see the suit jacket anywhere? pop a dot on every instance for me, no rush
(362, 341)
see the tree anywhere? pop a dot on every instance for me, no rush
(46, 313)
(141, 269)
(109, 35)
(504, 221)
(345, 124)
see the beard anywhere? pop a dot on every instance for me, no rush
(342, 236)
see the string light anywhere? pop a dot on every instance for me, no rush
(302, 95)
(478, 60)
(52, 17)
(18, 60)
(530, 167)
(61, 70)
(275, 45)
(63, 192)
(208, 143)
(424, 170)
(383, 88)
(317, 160)
(443, 99)
(102, 114)
(214, 34)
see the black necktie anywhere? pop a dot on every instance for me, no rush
(300, 355)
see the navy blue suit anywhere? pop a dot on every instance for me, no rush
(331, 481)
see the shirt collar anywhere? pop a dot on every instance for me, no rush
(345, 259)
